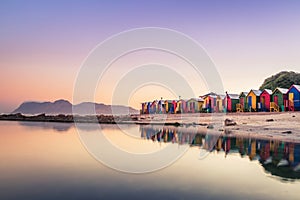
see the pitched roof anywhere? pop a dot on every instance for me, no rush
(256, 92)
(222, 96)
(297, 87)
(268, 91)
(244, 93)
(196, 99)
(234, 96)
(282, 90)
(211, 94)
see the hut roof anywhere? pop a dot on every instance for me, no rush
(196, 99)
(222, 96)
(296, 86)
(268, 91)
(234, 96)
(256, 92)
(282, 90)
(211, 94)
(244, 93)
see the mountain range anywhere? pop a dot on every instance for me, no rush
(65, 107)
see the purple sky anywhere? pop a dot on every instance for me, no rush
(43, 43)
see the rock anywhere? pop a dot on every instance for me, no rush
(286, 132)
(269, 120)
(177, 124)
(229, 122)
(210, 126)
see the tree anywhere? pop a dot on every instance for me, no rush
(283, 79)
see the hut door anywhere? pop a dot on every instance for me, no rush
(249, 102)
(263, 102)
(276, 99)
(291, 96)
(242, 102)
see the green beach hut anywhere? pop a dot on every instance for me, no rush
(279, 98)
(242, 106)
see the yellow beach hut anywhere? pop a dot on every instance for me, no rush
(253, 100)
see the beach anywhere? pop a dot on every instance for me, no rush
(280, 126)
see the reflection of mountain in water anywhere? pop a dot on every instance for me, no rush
(61, 127)
(277, 157)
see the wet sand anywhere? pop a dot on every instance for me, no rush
(280, 126)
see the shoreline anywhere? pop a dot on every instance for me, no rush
(282, 126)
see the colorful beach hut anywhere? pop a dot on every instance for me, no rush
(210, 101)
(279, 100)
(220, 103)
(194, 105)
(144, 109)
(153, 108)
(253, 99)
(265, 100)
(169, 106)
(181, 106)
(294, 98)
(242, 105)
(231, 100)
(161, 107)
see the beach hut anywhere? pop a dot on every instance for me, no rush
(161, 107)
(253, 99)
(242, 105)
(144, 109)
(220, 103)
(279, 100)
(210, 101)
(149, 107)
(169, 106)
(195, 105)
(181, 106)
(265, 99)
(294, 98)
(231, 100)
(153, 108)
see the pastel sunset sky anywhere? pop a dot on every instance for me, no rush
(44, 43)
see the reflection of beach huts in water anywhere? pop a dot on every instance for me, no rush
(253, 99)
(294, 98)
(194, 105)
(181, 106)
(279, 100)
(242, 105)
(231, 100)
(265, 99)
(210, 102)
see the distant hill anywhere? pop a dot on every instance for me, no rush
(65, 107)
(283, 79)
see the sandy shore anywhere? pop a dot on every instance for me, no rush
(282, 126)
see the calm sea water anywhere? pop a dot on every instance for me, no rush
(49, 161)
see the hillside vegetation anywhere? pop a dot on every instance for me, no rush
(283, 79)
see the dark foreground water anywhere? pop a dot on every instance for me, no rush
(48, 161)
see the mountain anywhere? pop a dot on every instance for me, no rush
(65, 107)
(282, 79)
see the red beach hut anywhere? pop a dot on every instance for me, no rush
(265, 99)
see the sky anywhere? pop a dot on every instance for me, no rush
(43, 44)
